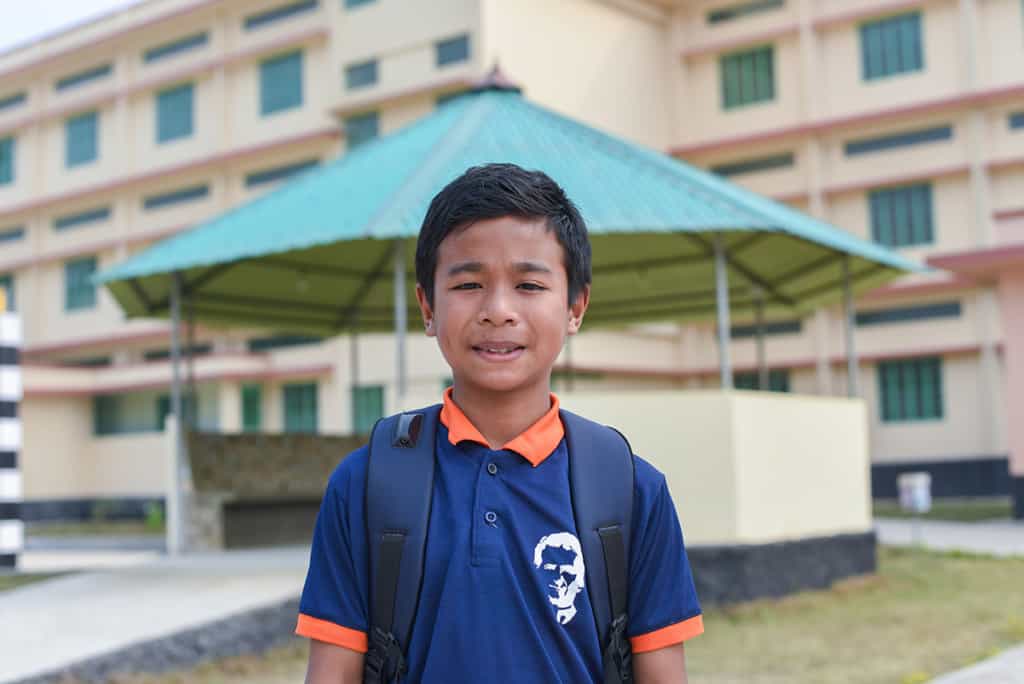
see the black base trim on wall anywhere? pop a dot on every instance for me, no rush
(731, 574)
(8, 561)
(1018, 498)
(8, 459)
(988, 476)
(124, 508)
(10, 510)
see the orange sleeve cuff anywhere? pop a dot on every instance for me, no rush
(322, 630)
(668, 636)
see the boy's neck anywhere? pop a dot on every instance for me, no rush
(502, 416)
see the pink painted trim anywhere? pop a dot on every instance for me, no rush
(329, 132)
(352, 104)
(269, 374)
(93, 248)
(998, 164)
(101, 340)
(865, 13)
(898, 179)
(92, 45)
(144, 364)
(739, 41)
(981, 97)
(183, 74)
(957, 283)
(982, 262)
(1008, 214)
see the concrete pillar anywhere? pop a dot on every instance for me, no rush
(1011, 304)
(12, 529)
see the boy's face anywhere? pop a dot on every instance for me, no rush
(501, 310)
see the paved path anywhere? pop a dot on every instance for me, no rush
(1006, 668)
(998, 537)
(52, 624)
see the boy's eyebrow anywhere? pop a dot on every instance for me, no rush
(477, 267)
(466, 267)
(531, 267)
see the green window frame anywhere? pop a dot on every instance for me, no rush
(12, 234)
(902, 216)
(1016, 120)
(361, 128)
(106, 414)
(897, 140)
(361, 74)
(281, 83)
(263, 344)
(7, 285)
(7, 149)
(891, 46)
(278, 173)
(252, 408)
(185, 44)
(748, 77)
(15, 100)
(79, 291)
(910, 389)
(743, 331)
(723, 14)
(367, 407)
(905, 314)
(300, 407)
(351, 4)
(81, 139)
(190, 194)
(777, 161)
(83, 77)
(778, 380)
(163, 409)
(174, 113)
(254, 21)
(81, 218)
(452, 50)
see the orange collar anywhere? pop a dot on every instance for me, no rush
(534, 444)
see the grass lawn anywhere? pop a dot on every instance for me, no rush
(11, 581)
(960, 510)
(115, 528)
(922, 615)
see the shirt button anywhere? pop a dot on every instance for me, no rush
(491, 518)
(492, 468)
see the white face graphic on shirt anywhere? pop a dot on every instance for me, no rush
(560, 556)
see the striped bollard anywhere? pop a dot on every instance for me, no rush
(11, 525)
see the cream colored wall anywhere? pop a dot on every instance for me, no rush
(55, 462)
(1001, 53)
(586, 59)
(748, 467)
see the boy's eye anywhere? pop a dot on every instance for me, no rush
(532, 286)
(466, 286)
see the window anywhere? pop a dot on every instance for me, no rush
(6, 161)
(748, 77)
(191, 194)
(361, 128)
(281, 83)
(12, 234)
(1017, 120)
(252, 408)
(738, 11)
(167, 49)
(910, 389)
(909, 313)
(80, 139)
(83, 77)
(164, 354)
(12, 100)
(79, 292)
(106, 414)
(361, 75)
(891, 46)
(88, 362)
(174, 113)
(300, 407)
(901, 217)
(452, 51)
(778, 380)
(278, 173)
(770, 328)
(81, 218)
(261, 344)
(349, 4)
(778, 161)
(367, 407)
(888, 142)
(163, 409)
(7, 288)
(254, 21)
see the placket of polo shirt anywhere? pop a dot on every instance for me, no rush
(490, 509)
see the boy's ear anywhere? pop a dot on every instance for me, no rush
(578, 308)
(425, 310)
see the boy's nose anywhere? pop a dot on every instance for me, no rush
(496, 308)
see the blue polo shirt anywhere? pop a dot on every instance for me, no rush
(503, 596)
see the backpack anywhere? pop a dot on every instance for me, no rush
(399, 488)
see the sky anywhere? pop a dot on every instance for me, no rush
(26, 20)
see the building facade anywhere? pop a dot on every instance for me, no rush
(902, 122)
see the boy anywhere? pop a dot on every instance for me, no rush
(503, 275)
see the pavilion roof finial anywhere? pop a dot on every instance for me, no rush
(497, 80)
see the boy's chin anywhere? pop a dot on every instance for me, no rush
(501, 383)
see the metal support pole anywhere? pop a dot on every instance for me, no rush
(184, 475)
(190, 402)
(762, 365)
(353, 367)
(722, 303)
(849, 317)
(401, 322)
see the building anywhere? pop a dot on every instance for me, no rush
(899, 121)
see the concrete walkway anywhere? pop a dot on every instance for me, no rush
(56, 623)
(998, 537)
(1006, 668)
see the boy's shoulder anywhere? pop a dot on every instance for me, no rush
(348, 479)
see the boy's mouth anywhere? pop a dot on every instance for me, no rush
(498, 350)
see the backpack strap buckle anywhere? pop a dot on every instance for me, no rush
(385, 661)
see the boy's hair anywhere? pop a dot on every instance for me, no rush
(496, 190)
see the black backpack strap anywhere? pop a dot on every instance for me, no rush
(601, 481)
(399, 489)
